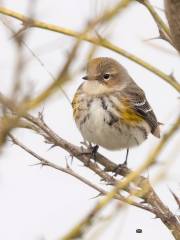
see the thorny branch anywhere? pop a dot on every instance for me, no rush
(94, 40)
(68, 170)
(155, 205)
(174, 226)
(163, 28)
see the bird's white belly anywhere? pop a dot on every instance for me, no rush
(116, 136)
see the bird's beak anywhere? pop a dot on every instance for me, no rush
(85, 77)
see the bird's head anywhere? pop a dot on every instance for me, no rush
(105, 74)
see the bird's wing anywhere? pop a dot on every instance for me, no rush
(138, 102)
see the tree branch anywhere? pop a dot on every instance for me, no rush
(97, 41)
(68, 170)
(148, 194)
(162, 211)
(163, 28)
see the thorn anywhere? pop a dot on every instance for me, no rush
(171, 75)
(98, 195)
(175, 197)
(51, 147)
(71, 157)
(162, 35)
(153, 38)
(36, 164)
(67, 165)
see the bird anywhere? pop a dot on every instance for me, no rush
(110, 109)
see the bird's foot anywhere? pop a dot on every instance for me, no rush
(90, 150)
(122, 165)
(93, 151)
(119, 168)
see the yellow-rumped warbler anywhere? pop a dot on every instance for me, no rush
(110, 109)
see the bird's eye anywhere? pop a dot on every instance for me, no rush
(106, 76)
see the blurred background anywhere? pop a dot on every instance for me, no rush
(41, 203)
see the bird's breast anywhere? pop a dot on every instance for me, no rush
(100, 122)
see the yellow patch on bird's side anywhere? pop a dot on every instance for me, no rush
(75, 105)
(129, 116)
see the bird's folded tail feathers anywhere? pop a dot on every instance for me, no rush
(156, 131)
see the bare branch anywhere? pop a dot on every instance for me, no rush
(96, 41)
(166, 217)
(69, 171)
(172, 10)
